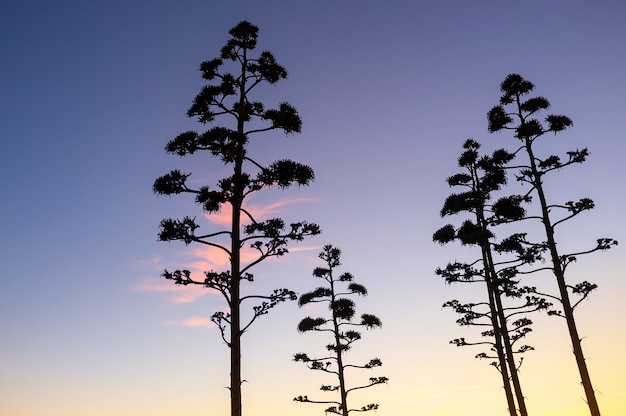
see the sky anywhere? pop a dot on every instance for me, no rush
(90, 93)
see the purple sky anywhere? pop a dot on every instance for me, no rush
(90, 92)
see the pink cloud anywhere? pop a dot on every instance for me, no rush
(193, 322)
(304, 248)
(202, 258)
(177, 293)
(214, 257)
(208, 258)
(259, 212)
(223, 217)
(277, 207)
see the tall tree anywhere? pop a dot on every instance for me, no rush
(518, 113)
(229, 97)
(339, 324)
(481, 177)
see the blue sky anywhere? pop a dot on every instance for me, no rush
(90, 92)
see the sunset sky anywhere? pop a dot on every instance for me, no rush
(90, 93)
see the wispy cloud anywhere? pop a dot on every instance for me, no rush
(304, 248)
(275, 208)
(150, 263)
(176, 293)
(200, 258)
(258, 211)
(193, 322)
(206, 258)
(197, 261)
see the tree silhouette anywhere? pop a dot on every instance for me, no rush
(518, 113)
(228, 96)
(339, 324)
(481, 177)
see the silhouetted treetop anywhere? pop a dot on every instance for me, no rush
(514, 88)
(227, 97)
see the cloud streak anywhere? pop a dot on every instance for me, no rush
(176, 293)
(223, 217)
(193, 322)
(202, 258)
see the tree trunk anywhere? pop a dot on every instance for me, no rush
(568, 311)
(517, 386)
(500, 335)
(506, 341)
(498, 321)
(235, 324)
(235, 357)
(340, 368)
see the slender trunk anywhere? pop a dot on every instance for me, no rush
(557, 267)
(340, 369)
(235, 302)
(342, 382)
(235, 306)
(499, 335)
(497, 321)
(235, 317)
(506, 340)
(235, 326)
(517, 386)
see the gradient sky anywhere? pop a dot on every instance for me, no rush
(90, 92)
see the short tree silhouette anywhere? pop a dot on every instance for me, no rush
(339, 324)
(518, 113)
(481, 177)
(228, 96)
